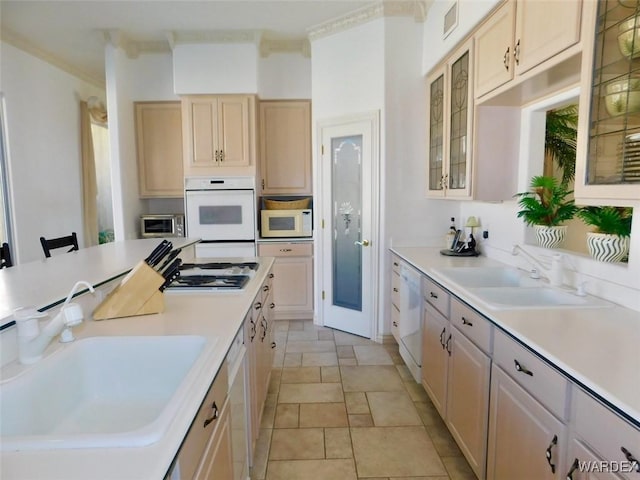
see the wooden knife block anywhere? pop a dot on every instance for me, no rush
(137, 294)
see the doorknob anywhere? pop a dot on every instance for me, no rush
(364, 243)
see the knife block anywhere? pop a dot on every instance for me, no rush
(137, 294)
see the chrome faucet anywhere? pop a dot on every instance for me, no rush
(31, 342)
(554, 273)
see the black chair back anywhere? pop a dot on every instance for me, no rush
(53, 243)
(5, 256)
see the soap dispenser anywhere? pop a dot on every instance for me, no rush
(451, 234)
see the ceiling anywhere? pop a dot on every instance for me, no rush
(71, 32)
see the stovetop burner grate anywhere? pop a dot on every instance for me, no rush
(220, 265)
(211, 281)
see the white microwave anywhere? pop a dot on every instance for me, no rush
(286, 223)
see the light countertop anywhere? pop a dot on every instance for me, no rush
(596, 347)
(44, 283)
(216, 316)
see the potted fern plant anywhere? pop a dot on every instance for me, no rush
(545, 207)
(609, 242)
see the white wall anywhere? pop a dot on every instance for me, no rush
(43, 129)
(284, 76)
(215, 68)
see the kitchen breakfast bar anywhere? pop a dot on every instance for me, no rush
(216, 318)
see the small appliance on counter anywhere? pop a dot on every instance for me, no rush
(286, 217)
(162, 225)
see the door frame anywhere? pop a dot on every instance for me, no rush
(322, 251)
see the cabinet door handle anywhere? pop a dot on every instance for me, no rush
(442, 336)
(395, 264)
(522, 369)
(395, 324)
(272, 305)
(258, 305)
(466, 322)
(505, 60)
(574, 467)
(433, 295)
(271, 275)
(449, 345)
(273, 344)
(629, 456)
(252, 331)
(516, 52)
(549, 454)
(395, 289)
(214, 417)
(265, 288)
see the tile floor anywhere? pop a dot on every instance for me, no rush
(341, 407)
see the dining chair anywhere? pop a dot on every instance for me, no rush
(5, 256)
(53, 243)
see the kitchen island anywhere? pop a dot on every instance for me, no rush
(215, 316)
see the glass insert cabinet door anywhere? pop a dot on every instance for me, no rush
(614, 136)
(449, 130)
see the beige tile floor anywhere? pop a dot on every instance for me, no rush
(341, 407)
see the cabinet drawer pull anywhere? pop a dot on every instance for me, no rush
(285, 249)
(257, 305)
(505, 59)
(442, 336)
(395, 324)
(466, 322)
(549, 455)
(633, 460)
(271, 275)
(272, 305)
(449, 345)
(395, 264)
(273, 344)
(433, 295)
(522, 369)
(265, 288)
(214, 417)
(395, 289)
(574, 467)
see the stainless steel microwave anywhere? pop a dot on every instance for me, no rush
(162, 225)
(286, 223)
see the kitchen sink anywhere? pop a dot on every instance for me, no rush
(509, 298)
(98, 392)
(488, 277)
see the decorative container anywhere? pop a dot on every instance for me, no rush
(606, 247)
(550, 237)
(622, 96)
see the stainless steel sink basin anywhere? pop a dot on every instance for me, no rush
(98, 392)
(488, 277)
(509, 298)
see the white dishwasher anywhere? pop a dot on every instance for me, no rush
(235, 363)
(410, 328)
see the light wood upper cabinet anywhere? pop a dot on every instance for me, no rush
(450, 113)
(219, 134)
(521, 35)
(159, 149)
(285, 147)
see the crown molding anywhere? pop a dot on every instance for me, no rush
(395, 8)
(21, 43)
(213, 36)
(296, 45)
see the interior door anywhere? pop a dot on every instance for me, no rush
(348, 171)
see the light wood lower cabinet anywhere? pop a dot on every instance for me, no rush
(582, 457)
(209, 436)
(292, 279)
(525, 440)
(395, 297)
(455, 374)
(217, 461)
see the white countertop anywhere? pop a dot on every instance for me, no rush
(596, 347)
(46, 282)
(216, 316)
